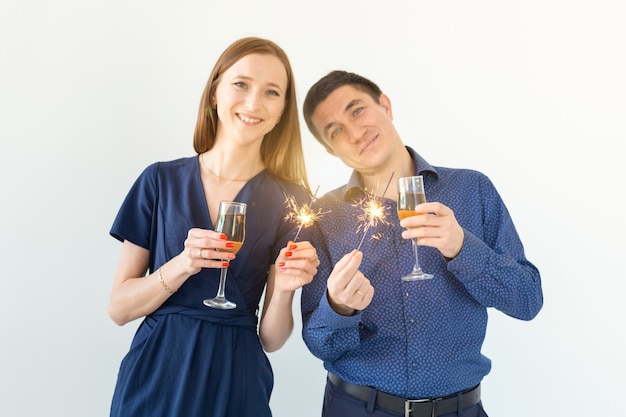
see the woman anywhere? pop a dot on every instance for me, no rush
(187, 359)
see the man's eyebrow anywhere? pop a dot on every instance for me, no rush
(327, 128)
(349, 107)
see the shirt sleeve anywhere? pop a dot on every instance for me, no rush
(493, 267)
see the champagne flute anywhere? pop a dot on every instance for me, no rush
(231, 220)
(410, 194)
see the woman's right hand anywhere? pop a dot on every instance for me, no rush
(202, 250)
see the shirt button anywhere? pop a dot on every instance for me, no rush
(412, 320)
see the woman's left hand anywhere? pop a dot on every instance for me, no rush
(296, 266)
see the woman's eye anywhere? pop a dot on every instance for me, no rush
(240, 84)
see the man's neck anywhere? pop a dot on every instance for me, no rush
(382, 182)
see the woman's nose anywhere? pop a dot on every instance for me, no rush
(252, 100)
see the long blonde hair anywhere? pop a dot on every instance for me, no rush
(281, 150)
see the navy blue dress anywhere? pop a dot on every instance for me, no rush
(186, 359)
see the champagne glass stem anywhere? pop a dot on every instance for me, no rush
(220, 301)
(417, 273)
(222, 286)
(416, 266)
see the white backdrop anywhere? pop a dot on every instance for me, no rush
(529, 92)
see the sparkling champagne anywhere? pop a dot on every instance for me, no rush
(233, 226)
(407, 203)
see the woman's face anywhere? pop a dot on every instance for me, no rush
(250, 98)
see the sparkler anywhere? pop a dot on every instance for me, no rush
(303, 215)
(373, 212)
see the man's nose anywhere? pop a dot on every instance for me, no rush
(355, 132)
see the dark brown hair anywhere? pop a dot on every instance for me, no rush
(329, 83)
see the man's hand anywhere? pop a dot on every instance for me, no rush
(348, 288)
(438, 229)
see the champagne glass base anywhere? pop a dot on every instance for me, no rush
(417, 276)
(219, 302)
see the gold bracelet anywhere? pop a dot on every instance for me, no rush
(168, 289)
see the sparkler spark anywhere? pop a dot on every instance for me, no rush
(303, 215)
(373, 214)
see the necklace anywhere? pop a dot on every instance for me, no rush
(219, 177)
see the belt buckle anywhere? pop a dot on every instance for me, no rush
(433, 404)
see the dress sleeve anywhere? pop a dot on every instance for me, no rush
(137, 213)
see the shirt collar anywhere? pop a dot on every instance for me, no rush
(354, 188)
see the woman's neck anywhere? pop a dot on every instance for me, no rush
(231, 165)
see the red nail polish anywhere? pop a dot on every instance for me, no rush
(230, 245)
(288, 254)
(281, 264)
(223, 237)
(292, 247)
(224, 264)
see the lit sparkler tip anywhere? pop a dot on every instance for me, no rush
(303, 215)
(373, 213)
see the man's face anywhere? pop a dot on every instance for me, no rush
(356, 128)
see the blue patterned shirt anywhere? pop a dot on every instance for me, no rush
(419, 339)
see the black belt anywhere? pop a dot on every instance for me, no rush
(429, 407)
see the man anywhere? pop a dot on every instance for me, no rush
(394, 347)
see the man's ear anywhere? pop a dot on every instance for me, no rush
(385, 103)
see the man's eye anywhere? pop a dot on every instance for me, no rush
(357, 111)
(335, 133)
